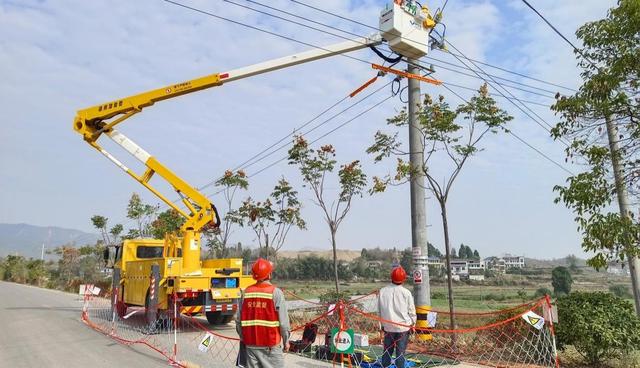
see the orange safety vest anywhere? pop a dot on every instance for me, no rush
(259, 318)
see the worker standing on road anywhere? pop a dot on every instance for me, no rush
(398, 314)
(263, 321)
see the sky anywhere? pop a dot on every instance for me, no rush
(57, 57)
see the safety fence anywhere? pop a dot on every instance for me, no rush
(343, 333)
(520, 336)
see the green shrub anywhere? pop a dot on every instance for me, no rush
(332, 296)
(599, 325)
(542, 292)
(621, 291)
(495, 297)
(438, 295)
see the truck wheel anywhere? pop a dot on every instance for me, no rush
(227, 318)
(215, 318)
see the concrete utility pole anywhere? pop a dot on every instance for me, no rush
(421, 288)
(623, 203)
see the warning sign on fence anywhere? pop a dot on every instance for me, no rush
(534, 320)
(205, 344)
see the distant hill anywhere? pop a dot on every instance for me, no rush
(26, 240)
(551, 263)
(343, 254)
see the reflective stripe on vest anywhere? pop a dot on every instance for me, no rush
(259, 318)
(259, 322)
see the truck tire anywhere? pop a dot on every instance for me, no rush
(216, 318)
(227, 318)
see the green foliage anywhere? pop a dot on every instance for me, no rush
(599, 325)
(610, 90)
(272, 219)
(15, 269)
(334, 296)
(561, 280)
(465, 252)
(522, 295)
(75, 266)
(141, 213)
(433, 251)
(621, 291)
(168, 221)
(542, 292)
(100, 223)
(115, 231)
(217, 239)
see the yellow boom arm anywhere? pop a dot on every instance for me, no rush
(94, 121)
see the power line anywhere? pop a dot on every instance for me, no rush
(575, 49)
(522, 140)
(452, 54)
(511, 94)
(329, 132)
(429, 58)
(491, 94)
(354, 34)
(359, 35)
(259, 29)
(246, 164)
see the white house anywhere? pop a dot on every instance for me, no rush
(459, 267)
(513, 261)
(476, 264)
(435, 261)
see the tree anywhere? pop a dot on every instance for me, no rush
(272, 219)
(115, 231)
(621, 291)
(572, 262)
(314, 166)
(600, 122)
(16, 269)
(599, 325)
(541, 292)
(443, 136)
(230, 183)
(141, 213)
(37, 272)
(476, 255)
(462, 253)
(168, 221)
(453, 253)
(68, 264)
(100, 223)
(561, 280)
(432, 251)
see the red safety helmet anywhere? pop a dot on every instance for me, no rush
(398, 275)
(261, 270)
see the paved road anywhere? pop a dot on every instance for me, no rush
(42, 328)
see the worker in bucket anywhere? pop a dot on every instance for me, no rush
(263, 321)
(398, 316)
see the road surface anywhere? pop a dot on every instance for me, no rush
(42, 328)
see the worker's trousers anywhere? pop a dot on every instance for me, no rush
(261, 357)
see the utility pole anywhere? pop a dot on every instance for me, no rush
(421, 286)
(623, 203)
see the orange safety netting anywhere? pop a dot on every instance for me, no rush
(501, 338)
